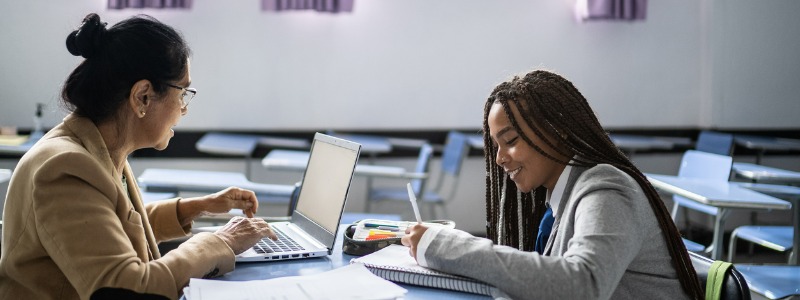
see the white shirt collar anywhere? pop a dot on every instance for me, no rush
(554, 198)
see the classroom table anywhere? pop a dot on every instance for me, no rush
(475, 141)
(759, 173)
(243, 145)
(631, 144)
(5, 175)
(293, 160)
(276, 269)
(20, 149)
(627, 142)
(762, 144)
(723, 195)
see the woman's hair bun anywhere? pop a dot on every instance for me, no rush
(87, 41)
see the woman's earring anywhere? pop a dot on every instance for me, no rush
(142, 114)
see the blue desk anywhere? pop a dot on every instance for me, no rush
(5, 175)
(475, 141)
(170, 180)
(291, 160)
(762, 144)
(243, 145)
(761, 173)
(22, 148)
(723, 195)
(628, 143)
(632, 143)
(372, 145)
(276, 269)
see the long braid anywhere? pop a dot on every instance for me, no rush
(564, 117)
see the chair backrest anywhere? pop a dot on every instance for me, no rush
(734, 287)
(293, 198)
(699, 164)
(453, 156)
(715, 142)
(423, 166)
(455, 150)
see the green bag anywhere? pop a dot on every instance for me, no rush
(716, 276)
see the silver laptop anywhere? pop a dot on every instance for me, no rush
(318, 211)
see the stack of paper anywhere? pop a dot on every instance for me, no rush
(350, 282)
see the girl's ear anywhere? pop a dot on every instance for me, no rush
(141, 96)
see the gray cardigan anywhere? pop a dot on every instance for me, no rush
(606, 244)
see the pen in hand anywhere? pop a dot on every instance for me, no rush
(413, 200)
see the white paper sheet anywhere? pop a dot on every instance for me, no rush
(353, 281)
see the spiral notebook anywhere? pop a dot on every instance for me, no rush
(394, 263)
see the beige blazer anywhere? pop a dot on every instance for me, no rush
(70, 230)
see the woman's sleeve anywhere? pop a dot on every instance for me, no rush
(603, 245)
(163, 216)
(75, 206)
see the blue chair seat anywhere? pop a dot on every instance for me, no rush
(693, 247)
(778, 238)
(401, 194)
(774, 282)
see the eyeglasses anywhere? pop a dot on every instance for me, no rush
(188, 94)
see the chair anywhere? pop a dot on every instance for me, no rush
(778, 238)
(771, 281)
(715, 142)
(418, 185)
(734, 285)
(453, 155)
(698, 164)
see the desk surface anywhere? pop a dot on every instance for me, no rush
(763, 174)
(720, 194)
(244, 144)
(369, 144)
(5, 175)
(765, 143)
(20, 149)
(724, 195)
(276, 269)
(292, 160)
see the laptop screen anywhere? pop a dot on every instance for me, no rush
(327, 180)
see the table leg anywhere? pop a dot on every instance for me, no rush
(796, 238)
(717, 244)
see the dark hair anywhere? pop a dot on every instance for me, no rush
(556, 111)
(137, 48)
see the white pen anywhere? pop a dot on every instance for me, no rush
(413, 200)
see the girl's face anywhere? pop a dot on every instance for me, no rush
(524, 165)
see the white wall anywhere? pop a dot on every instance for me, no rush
(421, 64)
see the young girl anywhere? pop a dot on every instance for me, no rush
(612, 237)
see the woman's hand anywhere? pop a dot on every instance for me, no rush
(219, 202)
(242, 233)
(230, 198)
(411, 239)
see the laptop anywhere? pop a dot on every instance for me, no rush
(311, 231)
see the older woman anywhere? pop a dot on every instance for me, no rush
(75, 226)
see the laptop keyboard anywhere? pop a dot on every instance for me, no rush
(283, 244)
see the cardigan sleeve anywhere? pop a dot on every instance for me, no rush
(82, 226)
(163, 216)
(604, 242)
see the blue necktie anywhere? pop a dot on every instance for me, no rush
(544, 230)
